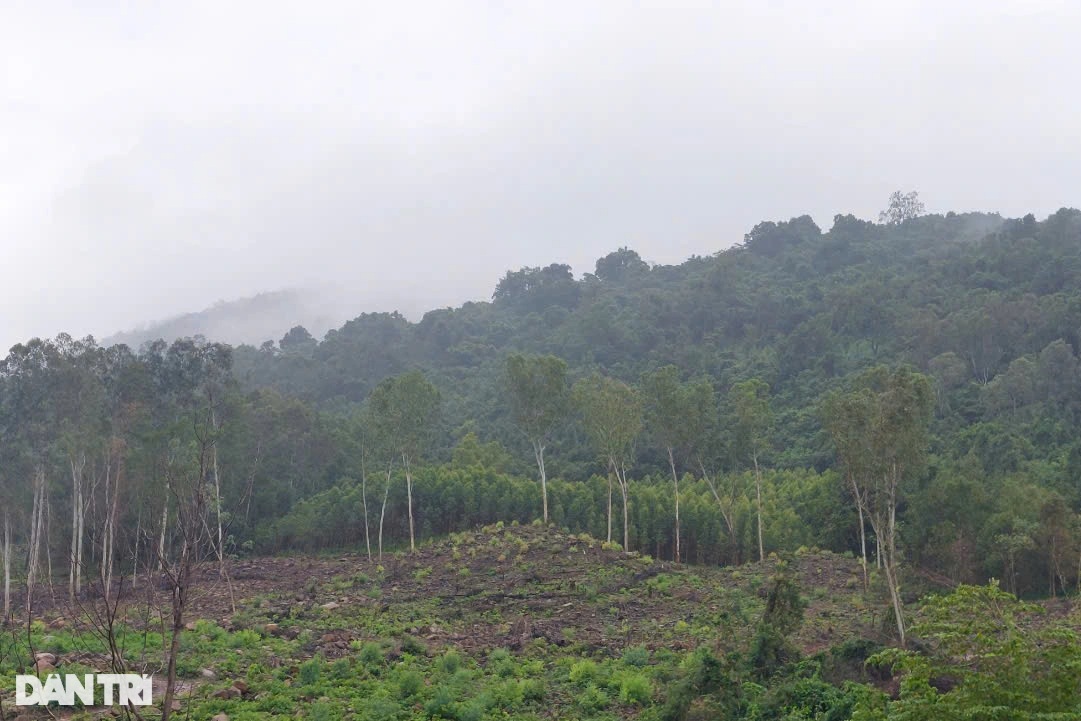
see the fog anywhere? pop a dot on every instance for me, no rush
(156, 159)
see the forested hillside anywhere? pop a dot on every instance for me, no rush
(724, 370)
(906, 394)
(988, 308)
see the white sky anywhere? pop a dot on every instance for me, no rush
(157, 157)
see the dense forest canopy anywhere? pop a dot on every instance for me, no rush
(986, 310)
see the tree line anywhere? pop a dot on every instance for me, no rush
(930, 411)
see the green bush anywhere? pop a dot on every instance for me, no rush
(310, 671)
(532, 689)
(450, 663)
(413, 646)
(441, 704)
(635, 689)
(323, 712)
(371, 654)
(341, 669)
(636, 656)
(380, 709)
(583, 671)
(592, 699)
(507, 695)
(409, 683)
(472, 710)
(501, 663)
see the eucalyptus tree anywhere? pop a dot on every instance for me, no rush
(881, 436)
(357, 438)
(753, 429)
(79, 395)
(676, 417)
(847, 417)
(29, 372)
(902, 207)
(404, 409)
(539, 398)
(612, 416)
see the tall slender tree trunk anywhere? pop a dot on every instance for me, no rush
(135, 550)
(7, 568)
(111, 510)
(383, 514)
(46, 534)
(409, 501)
(887, 537)
(364, 503)
(758, 504)
(36, 522)
(863, 531)
(726, 512)
(675, 483)
(217, 496)
(610, 472)
(622, 477)
(538, 451)
(75, 576)
(164, 527)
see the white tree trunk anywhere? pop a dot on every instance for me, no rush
(863, 530)
(383, 513)
(758, 506)
(622, 478)
(7, 568)
(726, 511)
(364, 503)
(217, 495)
(538, 451)
(409, 501)
(135, 551)
(891, 556)
(75, 574)
(45, 537)
(610, 472)
(164, 527)
(36, 517)
(675, 483)
(108, 538)
(884, 524)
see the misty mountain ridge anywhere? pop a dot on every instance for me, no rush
(252, 320)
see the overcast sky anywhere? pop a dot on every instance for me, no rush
(157, 157)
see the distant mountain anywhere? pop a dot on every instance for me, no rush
(266, 316)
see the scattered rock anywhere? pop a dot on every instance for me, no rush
(227, 693)
(271, 628)
(208, 674)
(220, 717)
(46, 657)
(330, 606)
(240, 686)
(43, 666)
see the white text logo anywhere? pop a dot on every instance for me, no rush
(117, 688)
